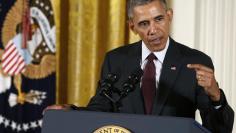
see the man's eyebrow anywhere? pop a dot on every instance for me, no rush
(160, 16)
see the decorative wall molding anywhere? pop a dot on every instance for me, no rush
(214, 33)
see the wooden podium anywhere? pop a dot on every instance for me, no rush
(58, 121)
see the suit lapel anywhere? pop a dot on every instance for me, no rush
(133, 63)
(170, 69)
(134, 56)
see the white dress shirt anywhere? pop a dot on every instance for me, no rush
(158, 63)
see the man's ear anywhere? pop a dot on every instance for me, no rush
(170, 14)
(131, 26)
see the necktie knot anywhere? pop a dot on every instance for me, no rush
(151, 57)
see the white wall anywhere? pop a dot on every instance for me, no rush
(183, 25)
(210, 26)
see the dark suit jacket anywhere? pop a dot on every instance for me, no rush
(178, 93)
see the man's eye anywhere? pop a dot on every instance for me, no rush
(143, 24)
(159, 19)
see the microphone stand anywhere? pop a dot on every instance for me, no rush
(107, 88)
(128, 87)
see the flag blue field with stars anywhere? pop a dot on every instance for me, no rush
(27, 64)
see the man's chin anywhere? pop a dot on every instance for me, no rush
(155, 47)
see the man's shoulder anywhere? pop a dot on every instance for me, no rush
(126, 48)
(194, 56)
(190, 52)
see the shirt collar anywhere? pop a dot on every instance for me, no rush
(160, 54)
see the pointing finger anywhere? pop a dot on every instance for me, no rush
(199, 67)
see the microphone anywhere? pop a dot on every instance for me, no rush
(106, 86)
(129, 84)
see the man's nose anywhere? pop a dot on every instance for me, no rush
(153, 29)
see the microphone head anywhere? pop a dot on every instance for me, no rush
(112, 77)
(106, 85)
(139, 72)
(135, 77)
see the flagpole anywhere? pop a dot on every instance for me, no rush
(25, 23)
(21, 96)
(25, 35)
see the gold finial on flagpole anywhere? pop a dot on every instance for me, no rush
(21, 95)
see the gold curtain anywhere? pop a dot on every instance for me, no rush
(86, 30)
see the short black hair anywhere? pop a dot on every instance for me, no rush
(133, 3)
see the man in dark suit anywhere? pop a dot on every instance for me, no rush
(183, 77)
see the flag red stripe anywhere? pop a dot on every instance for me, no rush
(19, 65)
(20, 68)
(10, 44)
(9, 60)
(13, 64)
(7, 53)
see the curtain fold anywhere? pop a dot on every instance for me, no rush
(87, 29)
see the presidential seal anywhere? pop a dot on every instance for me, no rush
(27, 64)
(39, 53)
(112, 129)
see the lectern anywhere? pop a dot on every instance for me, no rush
(58, 121)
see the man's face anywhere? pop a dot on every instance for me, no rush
(152, 23)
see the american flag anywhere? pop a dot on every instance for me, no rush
(12, 61)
